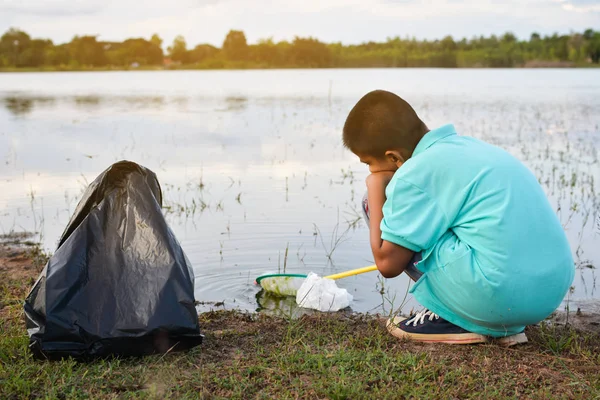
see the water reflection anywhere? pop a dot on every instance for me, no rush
(235, 103)
(19, 104)
(285, 307)
(90, 100)
(22, 105)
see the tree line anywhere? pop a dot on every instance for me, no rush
(20, 50)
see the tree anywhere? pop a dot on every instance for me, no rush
(588, 34)
(266, 52)
(560, 44)
(18, 49)
(156, 40)
(593, 48)
(509, 37)
(178, 50)
(202, 52)
(13, 43)
(576, 45)
(448, 43)
(86, 50)
(35, 54)
(140, 51)
(309, 52)
(57, 55)
(235, 46)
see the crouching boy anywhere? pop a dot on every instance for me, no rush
(492, 253)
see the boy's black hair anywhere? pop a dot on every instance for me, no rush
(382, 121)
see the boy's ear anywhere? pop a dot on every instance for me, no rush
(395, 157)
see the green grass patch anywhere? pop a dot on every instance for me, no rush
(334, 356)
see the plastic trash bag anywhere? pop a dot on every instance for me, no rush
(119, 283)
(322, 294)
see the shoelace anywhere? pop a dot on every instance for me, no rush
(420, 317)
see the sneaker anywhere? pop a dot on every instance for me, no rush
(429, 327)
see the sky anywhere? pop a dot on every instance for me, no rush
(346, 21)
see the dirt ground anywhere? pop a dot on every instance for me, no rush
(21, 261)
(319, 356)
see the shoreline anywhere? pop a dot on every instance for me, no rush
(261, 67)
(249, 355)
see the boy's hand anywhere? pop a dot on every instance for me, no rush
(390, 258)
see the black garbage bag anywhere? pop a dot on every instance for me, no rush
(119, 283)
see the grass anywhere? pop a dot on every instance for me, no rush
(335, 356)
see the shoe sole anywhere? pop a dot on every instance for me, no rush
(454, 338)
(511, 340)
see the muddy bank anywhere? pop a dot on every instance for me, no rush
(315, 356)
(21, 260)
(583, 315)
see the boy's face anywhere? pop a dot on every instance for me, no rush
(391, 161)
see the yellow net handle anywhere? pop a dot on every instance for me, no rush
(353, 272)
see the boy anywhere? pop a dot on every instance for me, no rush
(492, 253)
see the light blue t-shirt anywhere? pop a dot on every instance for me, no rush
(495, 256)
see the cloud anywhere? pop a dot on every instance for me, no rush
(583, 3)
(580, 6)
(69, 8)
(52, 8)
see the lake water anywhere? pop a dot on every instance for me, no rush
(252, 166)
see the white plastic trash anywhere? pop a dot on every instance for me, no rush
(322, 294)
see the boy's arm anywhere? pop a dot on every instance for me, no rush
(390, 258)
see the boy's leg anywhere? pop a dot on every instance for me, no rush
(427, 326)
(410, 269)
